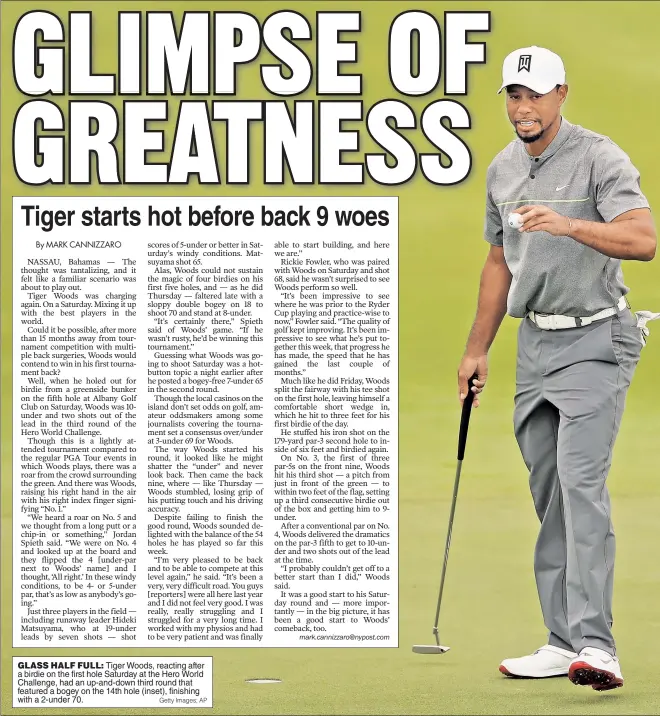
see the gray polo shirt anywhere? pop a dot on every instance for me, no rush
(582, 175)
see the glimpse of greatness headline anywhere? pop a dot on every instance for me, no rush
(73, 129)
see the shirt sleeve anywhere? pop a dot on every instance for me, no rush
(493, 232)
(617, 183)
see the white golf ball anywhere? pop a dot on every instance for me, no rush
(515, 220)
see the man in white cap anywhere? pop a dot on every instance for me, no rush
(563, 208)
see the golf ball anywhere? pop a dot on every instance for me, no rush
(515, 220)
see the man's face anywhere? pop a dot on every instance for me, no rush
(532, 113)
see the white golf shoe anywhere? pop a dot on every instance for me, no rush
(546, 661)
(596, 668)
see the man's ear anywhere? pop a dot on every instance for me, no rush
(562, 90)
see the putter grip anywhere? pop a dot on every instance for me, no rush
(465, 418)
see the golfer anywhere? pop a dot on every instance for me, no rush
(578, 198)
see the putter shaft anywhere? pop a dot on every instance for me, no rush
(448, 543)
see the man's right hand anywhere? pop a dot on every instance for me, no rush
(468, 367)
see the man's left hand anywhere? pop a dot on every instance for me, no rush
(542, 218)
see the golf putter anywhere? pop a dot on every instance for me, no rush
(462, 439)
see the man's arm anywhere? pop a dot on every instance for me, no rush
(627, 230)
(630, 235)
(491, 309)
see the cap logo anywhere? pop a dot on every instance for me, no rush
(525, 63)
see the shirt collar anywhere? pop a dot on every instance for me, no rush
(565, 129)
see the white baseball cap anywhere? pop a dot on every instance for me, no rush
(535, 67)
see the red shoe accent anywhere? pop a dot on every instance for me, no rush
(583, 674)
(505, 671)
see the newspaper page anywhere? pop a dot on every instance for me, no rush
(242, 246)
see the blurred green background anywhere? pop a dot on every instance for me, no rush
(490, 608)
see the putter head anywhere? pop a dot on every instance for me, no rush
(424, 649)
